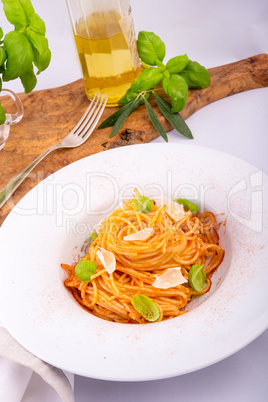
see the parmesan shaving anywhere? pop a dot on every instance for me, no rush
(169, 279)
(140, 235)
(107, 259)
(173, 208)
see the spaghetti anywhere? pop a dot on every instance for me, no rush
(191, 240)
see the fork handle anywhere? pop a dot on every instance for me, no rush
(7, 191)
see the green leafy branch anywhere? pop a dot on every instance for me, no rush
(175, 77)
(24, 47)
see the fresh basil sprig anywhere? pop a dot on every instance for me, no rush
(176, 77)
(24, 47)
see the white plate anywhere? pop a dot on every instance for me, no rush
(50, 224)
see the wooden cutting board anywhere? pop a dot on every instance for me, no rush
(50, 114)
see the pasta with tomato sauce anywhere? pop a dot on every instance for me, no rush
(147, 261)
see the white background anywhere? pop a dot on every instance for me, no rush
(213, 32)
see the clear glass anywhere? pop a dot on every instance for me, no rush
(106, 45)
(11, 118)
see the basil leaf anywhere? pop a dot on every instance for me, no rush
(1, 33)
(85, 269)
(42, 54)
(154, 119)
(28, 80)
(196, 75)
(177, 64)
(197, 277)
(92, 237)
(150, 48)
(3, 56)
(129, 96)
(143, 204)
(19, 55)
(14, 13)
(174, 119)
(146, 307)
(27, 7)
(177, 89)
(2, 115)
(147, 80)
(18, 12)
(0, 84)
(188, 204)
(128, 110)
(35, 39)
(37, 25)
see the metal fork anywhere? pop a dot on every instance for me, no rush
(75, 138)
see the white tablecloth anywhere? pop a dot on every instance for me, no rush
(213, 32)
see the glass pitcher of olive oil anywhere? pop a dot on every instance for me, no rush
(106, 44)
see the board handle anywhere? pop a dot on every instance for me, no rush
(229, 79)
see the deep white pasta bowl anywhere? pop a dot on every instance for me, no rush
(50, 224)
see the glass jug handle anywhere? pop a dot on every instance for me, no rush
(11, 118)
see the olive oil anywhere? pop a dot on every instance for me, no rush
(107, 54)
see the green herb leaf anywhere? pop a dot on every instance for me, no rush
(166, 73)
(143, 204)
(1, 33)
(2, 115)
(129, 96)
(196, 75)
(0, 84)
(177, 64)
(150, 48)
(110, 121)
(3, 56)
(160, 65)
(92, 237)
(127, 112)
(146, 307)
(197, 277)
(19, 55)
(14, 13)
(154, 119)
(42, 54)
(28, 80)
(85, 269)
(18, 12)
(37, 25)
(174, 119)
(177, 89)
(147, 80)
(188, 204)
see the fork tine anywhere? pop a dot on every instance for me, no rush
(94, 120)
(92, 103)
(89, 112)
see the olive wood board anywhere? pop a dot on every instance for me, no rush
(50, 114)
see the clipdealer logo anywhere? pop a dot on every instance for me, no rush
(101, 193)
(252, 190)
